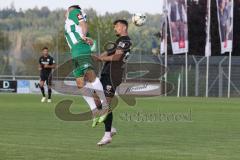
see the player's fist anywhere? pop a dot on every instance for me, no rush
(88, 40)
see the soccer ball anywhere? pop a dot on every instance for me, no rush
(139, 19)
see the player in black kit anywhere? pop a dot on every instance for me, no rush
(46, 64)
(112, 71)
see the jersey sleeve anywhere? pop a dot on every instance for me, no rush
(39, 61)
(124, 44)
(52, 61)
(77, 16)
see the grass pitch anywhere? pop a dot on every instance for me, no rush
(156, 128)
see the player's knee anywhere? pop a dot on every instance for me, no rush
(41, 84)
(91, 79)
(90, 76)
(80, 85)
(80, 82)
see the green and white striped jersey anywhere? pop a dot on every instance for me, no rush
(73, 31)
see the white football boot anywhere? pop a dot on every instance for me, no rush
(105, 140)
(113, 131)
(43, 99)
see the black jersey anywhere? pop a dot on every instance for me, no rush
(116, 68)
(46, 60)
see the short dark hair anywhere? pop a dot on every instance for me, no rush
(44, 48)
(122, 21)
(74, 7)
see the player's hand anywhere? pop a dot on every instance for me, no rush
(40, 68)
(88, 40)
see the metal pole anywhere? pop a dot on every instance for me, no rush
(165, 46)
(208, 43)
(197, 63)
(207, 76)
(179, 84)
(229, 74)
(197, 79)
(182, 81)
(99, 52)
(166, 63)
(220, 81)
(98, 41)
(186, 73)
(57, 53)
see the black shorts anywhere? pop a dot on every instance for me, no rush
(47, 78)
(109, 86)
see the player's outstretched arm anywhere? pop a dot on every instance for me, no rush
(108, 58)
(98, 57)
(104, 54)
(114, 57)
(84, 27)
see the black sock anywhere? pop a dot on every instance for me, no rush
(42, 90)
(49, 93)
(108, 122)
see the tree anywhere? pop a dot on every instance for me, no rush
(101, 28)
(4, 50)
(60, 43)
(44, 12)
(4, 41)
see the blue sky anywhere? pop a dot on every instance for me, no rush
(134, 6)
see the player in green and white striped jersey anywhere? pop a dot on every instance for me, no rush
(76, 33)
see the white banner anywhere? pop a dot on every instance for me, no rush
(34, 86)
(225, 21)
(177, 16)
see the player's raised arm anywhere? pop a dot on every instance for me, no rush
(115, 57)
(118, 54)
(106, 58)
(84, 27)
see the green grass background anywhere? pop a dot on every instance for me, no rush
(30, 130)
